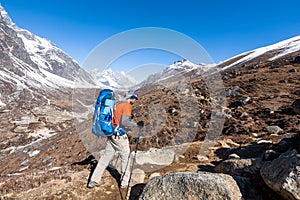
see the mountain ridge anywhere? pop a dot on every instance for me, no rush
(269, 53)
(40, 60)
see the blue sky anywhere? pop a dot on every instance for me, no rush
(223, 28)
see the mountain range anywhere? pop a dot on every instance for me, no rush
(282, 49)
(33, 64)
(112, 79)
(29, 61)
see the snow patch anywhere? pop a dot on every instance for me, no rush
(51, 169)
(34, 153)
(56, 80)
(23, 168)
(25, 120)
(287, 46)
(43, 134)
(2, 104)
(15, 174)
(264, 142)
(54, 168)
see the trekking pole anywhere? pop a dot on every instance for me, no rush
(137, 140)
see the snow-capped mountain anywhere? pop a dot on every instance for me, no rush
(29, 61)
(181, 65)
(120, 80)
(112, 79)
(285, 48)
(178, 67)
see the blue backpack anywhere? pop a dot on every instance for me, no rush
(103, 115)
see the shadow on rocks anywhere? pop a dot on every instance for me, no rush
(114, 173)
(136, 191)
(251, 151)
(208, 168)
(91, 161)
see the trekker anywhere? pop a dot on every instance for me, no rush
(117, 144)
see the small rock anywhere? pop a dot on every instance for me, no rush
(296, 106)
(224, 144)
(293, 70)
(137, 177)
(202, 158)
(234, 156)
(178, 157)
(154, 175)
(265, 142)
(254, 135)
(274, 129)
(270, 155)
(244, 115)
(68, 179)
(232, 143)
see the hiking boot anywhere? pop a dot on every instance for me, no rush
(93, 184)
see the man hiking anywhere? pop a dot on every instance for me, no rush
(117, 144)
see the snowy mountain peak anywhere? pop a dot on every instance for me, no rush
(33, 65)
(113, 79)
(182, 65)
(4, 16)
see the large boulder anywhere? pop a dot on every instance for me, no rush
(240, 167)
(148, 161)
(283, 175)
(189, 185)
(154, 159)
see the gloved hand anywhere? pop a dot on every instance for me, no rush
(140, 123)
(132, 116)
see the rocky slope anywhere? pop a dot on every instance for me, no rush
(261, 123)
(35, 76)
(33, 70)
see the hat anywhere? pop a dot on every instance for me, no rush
(134, 96)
